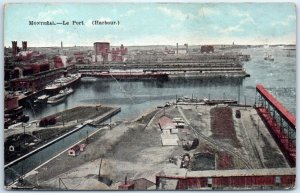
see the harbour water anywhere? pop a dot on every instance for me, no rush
(135, 97)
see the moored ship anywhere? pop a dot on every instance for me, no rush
(63, 82)
(41, 99)
(61, 96)
(56, 98)
(66, 91)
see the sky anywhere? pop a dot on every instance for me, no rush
(152, 24)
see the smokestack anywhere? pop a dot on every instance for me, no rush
(177, 48)
(187, 48)
(14, 47)
(24, 45)
(95, 47)
(61, 45)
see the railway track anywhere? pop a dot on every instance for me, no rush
(215, 144)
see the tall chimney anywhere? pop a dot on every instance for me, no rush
(95, 47)
(61, 45)
(177, 48)
(24, 45)
(14, 47)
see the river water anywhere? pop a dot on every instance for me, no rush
(135, 97)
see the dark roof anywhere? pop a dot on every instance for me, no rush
(75, 148)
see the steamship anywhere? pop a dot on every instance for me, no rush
(63, 82)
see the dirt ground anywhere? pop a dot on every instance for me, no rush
(135, 147)
(222, 125)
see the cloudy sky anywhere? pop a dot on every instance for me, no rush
(152, 24)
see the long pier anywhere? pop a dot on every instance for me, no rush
(279, 121)
(19, 167)
(171, 71)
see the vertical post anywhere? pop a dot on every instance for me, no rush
(63, 120)
(239, 93)
(37, 178)
(192, 96)
(255, 99)
(258, 128)
(245, 102)
(223, 95)
(99, 169)
(58, 183)
(176, 101)
(196, 102)
(110, 122)
(87, 137)
(157, 182)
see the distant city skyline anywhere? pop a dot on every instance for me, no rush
(150, 24)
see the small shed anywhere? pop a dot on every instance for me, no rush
(146, 180)
(126, 185)
(165, 123)
(82, 147)
(75, 150)
(174, 130)
(169, 139)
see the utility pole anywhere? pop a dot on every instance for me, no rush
(37, 178)
(110, 122)
(63, 120)
(258, 128)
(87, 137)
(99, 170)
(196, 102)
(245, 102)
(58, 183)
(239, 92)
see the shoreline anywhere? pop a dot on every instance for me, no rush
(61, 130)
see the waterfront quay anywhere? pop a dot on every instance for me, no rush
(31, 141)
(157, 147)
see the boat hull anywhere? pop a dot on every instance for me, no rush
(57, 88)
(56, 101)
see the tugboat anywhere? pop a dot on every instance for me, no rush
(41, 99)
(269, 57)
(66, 91)
(56, 98)
(88, 79)
(61, 96)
